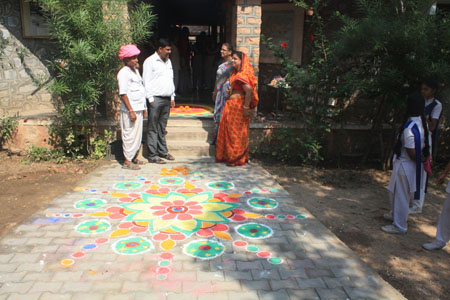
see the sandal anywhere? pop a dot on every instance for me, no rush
(138, 162)
(156, 160)
(168, 156)
(131, 167)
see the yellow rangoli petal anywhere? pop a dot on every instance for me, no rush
(188, 225)
(216, 206)
(209, 217)
(159, 224)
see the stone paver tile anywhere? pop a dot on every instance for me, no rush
(33, 267)
(108, 286)
(355, 272)
(4, 258)
(305, 263)
(25, 258)
(328, 294)
(297, 273)
(307, 294)
(180, 276)
(210, 276)
(283, 284)
(249, 265)
(255, 285)
(371, 293)
(9, 267)
(53, 296)
(226, 286)
(132, 286)
(67, 276)
(46, 287)
(33, 296)
(265, 274)
(76, 287)
(314, 272)
(128, 296)
(236, 275)
(15, 287)
(197, 287)
(169, 286)
(38, 276)
(366, 281)
(225, 265)
(12, 277)
(311, 283)
(45, 249)
(14, 241)
(215, 296)
(38, 241)
(337, 282)
(90, 296)
(187, 296)
(278, 295)
(249, 295)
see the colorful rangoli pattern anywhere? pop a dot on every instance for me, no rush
(90, 204)
(191, 110)
(221, 185)
(262, 203)
(139, 216)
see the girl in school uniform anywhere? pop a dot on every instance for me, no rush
(408, 174)
(443, 227)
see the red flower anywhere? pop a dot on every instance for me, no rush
(312, 37)
(284, 45)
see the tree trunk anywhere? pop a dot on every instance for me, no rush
(376, 124)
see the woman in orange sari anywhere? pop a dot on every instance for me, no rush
(232, 139)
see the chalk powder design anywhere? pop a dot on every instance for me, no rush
(146, 215)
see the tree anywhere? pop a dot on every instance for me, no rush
(87, 36)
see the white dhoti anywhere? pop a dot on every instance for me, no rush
(443, 228)
(131, 133)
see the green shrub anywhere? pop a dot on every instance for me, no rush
(8, 127)
(87, 36)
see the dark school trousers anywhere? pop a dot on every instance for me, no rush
(158, 115)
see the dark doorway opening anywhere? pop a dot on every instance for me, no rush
(196, 29)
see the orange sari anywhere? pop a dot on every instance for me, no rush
(232, 139)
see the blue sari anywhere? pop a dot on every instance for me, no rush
(222, 84)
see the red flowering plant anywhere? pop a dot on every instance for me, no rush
(284, 45)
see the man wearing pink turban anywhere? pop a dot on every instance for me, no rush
(132, 107)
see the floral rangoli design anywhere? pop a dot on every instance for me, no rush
(149, 215)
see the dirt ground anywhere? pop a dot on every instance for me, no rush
(351, 204)
(27, 188)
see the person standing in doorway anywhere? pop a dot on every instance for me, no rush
(160, 94)
(132, 107)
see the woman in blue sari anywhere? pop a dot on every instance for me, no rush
(220, 94)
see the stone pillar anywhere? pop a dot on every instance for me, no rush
(248, 29)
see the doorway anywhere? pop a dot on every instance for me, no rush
(196, 29)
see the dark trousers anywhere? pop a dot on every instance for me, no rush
(158, 115)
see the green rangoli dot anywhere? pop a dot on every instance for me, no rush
(164, 263)
(253, 248)
(162, 277)
(275, 260)
(281, 217)
(300, 217)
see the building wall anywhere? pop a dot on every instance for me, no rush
(22, 61)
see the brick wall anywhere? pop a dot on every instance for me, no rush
(248, 29)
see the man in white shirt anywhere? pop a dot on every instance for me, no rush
(160, 93)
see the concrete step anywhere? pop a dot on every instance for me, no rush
(190, 133)
(199, 122)
(185, 148)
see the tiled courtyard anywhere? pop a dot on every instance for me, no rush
(187, 230)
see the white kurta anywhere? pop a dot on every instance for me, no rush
(402, 184)
(443, 228)
(131, 133)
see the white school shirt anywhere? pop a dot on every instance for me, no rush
(436, 112)
(131, 84)
(158, 78)
(405, 161)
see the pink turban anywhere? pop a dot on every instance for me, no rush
(128, 51)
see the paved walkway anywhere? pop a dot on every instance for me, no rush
(190, 231)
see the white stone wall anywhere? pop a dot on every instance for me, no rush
(18, 94)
